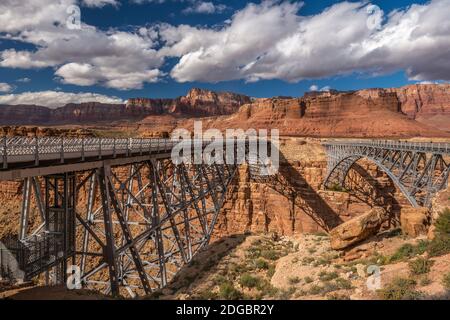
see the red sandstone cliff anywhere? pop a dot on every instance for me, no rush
(365, 113)
(196, 103)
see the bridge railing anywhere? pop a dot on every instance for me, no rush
(27, 149)
(432, 147)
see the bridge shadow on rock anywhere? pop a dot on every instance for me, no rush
(193, 274)
(368, 190)
(291, 184)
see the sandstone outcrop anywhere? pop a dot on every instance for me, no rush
(374, 113)
(358, 229)
(414, 221)
(195, 104)
(426, 103)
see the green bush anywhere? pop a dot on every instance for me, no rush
(294, 280)
(328, 276)
(262, 264)
(308, 279)
(446, 281)
(439, 246)
(271, 271)
(400, 289)
(249, 281)
(344, 283)
(228, 292)
(442, 223)
(219, 279)
(270, 254)
(420, 266)
(408, 251)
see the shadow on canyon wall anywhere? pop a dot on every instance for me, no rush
(360, 184)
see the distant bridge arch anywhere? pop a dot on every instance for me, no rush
(419, 170)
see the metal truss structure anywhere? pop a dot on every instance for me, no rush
(122, 212)
(419, 170)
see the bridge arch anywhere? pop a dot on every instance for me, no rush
(339, 173)
(419, 170)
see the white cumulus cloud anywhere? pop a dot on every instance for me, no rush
(4, 87)
(273, 41)
(54, 99)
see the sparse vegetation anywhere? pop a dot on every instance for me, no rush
(408, 251)
(294, 280)
(337, 188)
(400, 289)
(446, 281)
(261, 264)
(440, 245)
(249, 281)
(227, 291)
(420, 266)
(308, 279)
(344, 283)
(328, 276)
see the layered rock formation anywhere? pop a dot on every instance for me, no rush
(426, 103)
(196, 103)
(294, 202)
(366, 113)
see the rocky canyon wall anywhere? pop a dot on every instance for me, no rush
(294, 201)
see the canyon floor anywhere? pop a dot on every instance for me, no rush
(268, 247)
(301, 267)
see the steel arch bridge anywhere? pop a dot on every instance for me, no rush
(419, 170)
(119, 209)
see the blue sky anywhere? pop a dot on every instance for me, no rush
(195, 43)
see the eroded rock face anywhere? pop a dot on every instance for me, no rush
(372, 113)
(358, 229)
(415, 221)
(197, 103)
(426, 103)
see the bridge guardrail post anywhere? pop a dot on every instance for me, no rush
(82, 149)
(114, 148)
(36, 151)
(5, 152)
(100, 148)
(62, 150)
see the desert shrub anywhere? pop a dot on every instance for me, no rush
(219, 279)
(425, 281)
(439, 246)
(271, 271)
(328, 276)
(294, 280)
(227, 291)
(337, 188)
(442, 223)
(261, 264)
(344, 283)
(315, 289)
(205, 295)
(400, 289)
(307, 260)
(408, 251)
(308, 279)
(249, 281)
(270, 254)
(446, 281)
(420, 266)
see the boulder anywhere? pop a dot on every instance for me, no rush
(414, 221)
(358, 228)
